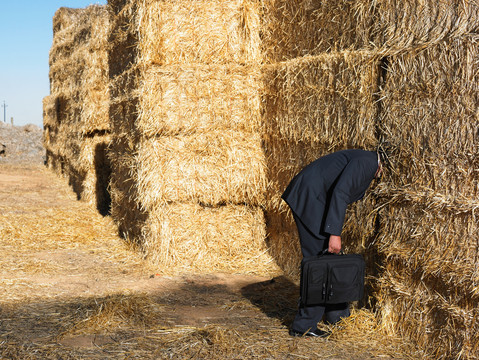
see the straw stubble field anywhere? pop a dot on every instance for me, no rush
(72, 289)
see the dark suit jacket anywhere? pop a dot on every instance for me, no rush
(321, 192)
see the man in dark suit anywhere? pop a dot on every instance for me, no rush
(318, 197)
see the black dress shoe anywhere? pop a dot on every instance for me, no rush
(312, 333)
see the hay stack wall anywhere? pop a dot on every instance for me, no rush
(428, 234)
(76, 120)
(189, 170)
(419, 224)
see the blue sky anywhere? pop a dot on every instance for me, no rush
(25, 40)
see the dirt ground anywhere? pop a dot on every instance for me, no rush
(71, 288)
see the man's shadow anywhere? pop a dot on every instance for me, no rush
(277, 298)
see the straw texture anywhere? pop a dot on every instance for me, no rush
(204, 31)
(185, 99)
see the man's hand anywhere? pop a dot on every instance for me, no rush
(334, 244)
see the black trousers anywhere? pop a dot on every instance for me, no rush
(307, 317)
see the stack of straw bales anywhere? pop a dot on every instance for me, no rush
(76, 117)
(215, 106)
(404, 74)
(189, 172)
(428, 233)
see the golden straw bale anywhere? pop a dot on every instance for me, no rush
(440, 318)
(441, 242)
(65, 17)
(429, 117)
(296, 28)
(124, 87)
(66, 75)
(427, 203)
(48, 136)
(401, 25)
(190, 237)
(186, 236)
(203, 31)
(95, 112)
(50, 110)
(88, 26)
(81, 76)
(186, 99)
(98, 19)
(63, 140)
(91, 149)
(214, 168)
(125, 210)
(327, 98)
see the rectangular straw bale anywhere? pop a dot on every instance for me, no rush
(190, 237)
(187, 99)
(91, 149)
(214, 168)
(430, 117)
(297, 28)
(401, 25)
(123, 87)
(64, 18)
(99, 21)
(50, 110)
(89, 171)
(63, 140)
(201, 31)
(125, 210)
(87, 26)
(437, 234)
(438, 316)
(95, 112)
(65, 44)
(48, 137)
(186, 236)
(292, 29)
(66, 75)
(327, 98)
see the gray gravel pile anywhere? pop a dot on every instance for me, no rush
(21, 144)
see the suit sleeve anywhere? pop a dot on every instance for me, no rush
(351, 186)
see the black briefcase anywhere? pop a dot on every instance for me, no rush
(332, 279)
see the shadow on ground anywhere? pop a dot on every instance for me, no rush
(198, 319)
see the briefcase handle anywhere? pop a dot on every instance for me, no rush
(326, 252)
